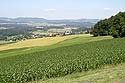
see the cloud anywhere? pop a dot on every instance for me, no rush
(106, 8)
(52, 9)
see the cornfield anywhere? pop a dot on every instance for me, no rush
(62, 61)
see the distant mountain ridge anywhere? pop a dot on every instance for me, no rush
(22, 20)
(30, 19)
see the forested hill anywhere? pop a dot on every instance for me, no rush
(115, 26)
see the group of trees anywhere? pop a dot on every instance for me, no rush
(114, 26)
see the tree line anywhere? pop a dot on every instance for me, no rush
(115, 26)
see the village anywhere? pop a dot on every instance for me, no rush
(49, 33)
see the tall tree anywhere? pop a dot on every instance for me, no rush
(114, 26)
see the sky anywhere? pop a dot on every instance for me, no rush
(61, 9)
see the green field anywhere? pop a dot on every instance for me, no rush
(78, 54)
(39, 32)
(67, 41)
(36, 42)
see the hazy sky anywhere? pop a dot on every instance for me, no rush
(61, 9)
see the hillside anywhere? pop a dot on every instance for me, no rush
(66, 58)
(62, 41)
(107, 74)
(35, 42)
(36, 45)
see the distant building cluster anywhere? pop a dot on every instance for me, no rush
(61, 32)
